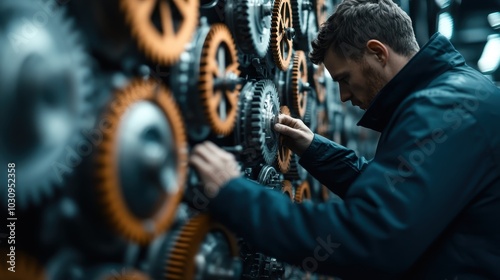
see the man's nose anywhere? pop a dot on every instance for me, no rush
(344, 94)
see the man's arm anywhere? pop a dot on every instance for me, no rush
(389, 217)
(334, 165)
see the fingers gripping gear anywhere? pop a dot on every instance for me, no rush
(282, 33)
(177, 19)
(218, 83)
(144, 152)
(284, 154)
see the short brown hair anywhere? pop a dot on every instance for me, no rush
(355, 22)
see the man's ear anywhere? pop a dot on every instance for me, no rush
(378, 50)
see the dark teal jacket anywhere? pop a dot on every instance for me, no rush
(426, 207)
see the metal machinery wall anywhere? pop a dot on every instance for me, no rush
(101, 103)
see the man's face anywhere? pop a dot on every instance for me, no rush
(358, 80)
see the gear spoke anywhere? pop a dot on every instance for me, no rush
(166, 20)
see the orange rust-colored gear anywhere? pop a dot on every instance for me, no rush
(110, 196)
(219, 37)
(281, 21)
(323, 122)
(302, 192)
(299, 75)
(181, 262)
(287, 189)
(284, 156)
(162, 45)
(26, 267)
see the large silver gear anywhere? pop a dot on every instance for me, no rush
(44, 103)
(250, 23)
(258, 111)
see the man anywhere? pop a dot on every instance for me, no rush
(427, 206)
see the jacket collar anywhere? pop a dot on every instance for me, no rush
(435, 58)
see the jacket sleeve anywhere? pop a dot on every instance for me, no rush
(334, 165)
(391, 214)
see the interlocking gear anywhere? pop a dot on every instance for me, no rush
(44, 103)
(218, 84)
(301, 11)
(141, 164)
(162, 28)
(299, 85)
(284, 154)
(203, 249)
(282, 33)
(208, 67)
(302, 192)
(268, 176)
(263, 116)
(250, 23)
(296, 172)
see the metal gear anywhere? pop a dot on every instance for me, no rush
(250, 23)
(299, 85)
(162, 28)
(141, 165)
(296, 172)
(301, 11)
(310, 116)
(208, 67)
(284, 154)
(263, 116)
(287, 188)
(302, 192)
(218, 82)
(268, 176)
(282, 33)
(44, 105)
(203, 249)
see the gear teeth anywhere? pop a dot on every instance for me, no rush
(180, 263)
(297, 17)
(303, 192)
(257, 135)
(108, 187)
(284, 155)
(218, 34)
(277, 31)
(244, 35)
(150, 40)
(299, 72)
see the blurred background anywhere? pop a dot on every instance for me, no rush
(102, 101)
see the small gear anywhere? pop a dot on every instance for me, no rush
(302, 192)
(250, 23)
(268, 176)
(218, 82)
(282, 33)
(299, 85)
(189, 259)
(141, 164)
(284, 154)
(162, 28)
(26, 267)
(44, 104)
(287, 188)
(310, 116)
(263, 116)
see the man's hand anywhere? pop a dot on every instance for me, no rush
(215, 166)
(296, 135)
